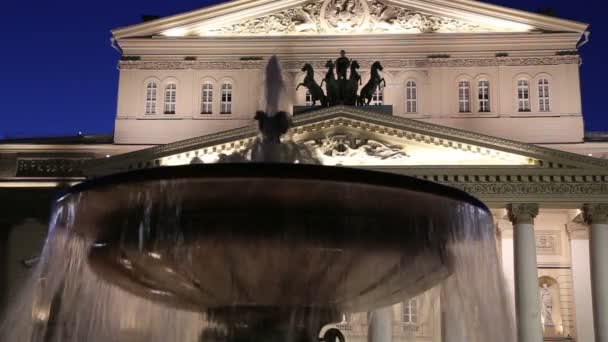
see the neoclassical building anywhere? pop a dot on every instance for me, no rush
(483, 98)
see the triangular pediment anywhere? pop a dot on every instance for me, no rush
(244, 18)
(352, 136)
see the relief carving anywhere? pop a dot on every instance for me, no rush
(345, 16)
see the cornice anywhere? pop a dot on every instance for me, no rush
(299, 46)
(364, 62)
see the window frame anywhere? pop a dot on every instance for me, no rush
(377, 97)
(410, 310)
(226, 97)
(411, 97)
(484, 97)
(524, 101)
(464, 96)
(170, 99)
(544, 95)
(151, 98)
(207, 96)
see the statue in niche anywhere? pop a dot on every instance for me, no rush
(315, 90)
(546, 299)
(332, 88)
(376, 80)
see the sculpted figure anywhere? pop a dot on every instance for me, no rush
(314, 89)
(375, 81)
(333, 90)
(342, 65)
(547, 305)
(352, 85)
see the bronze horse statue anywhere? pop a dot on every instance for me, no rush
(352, 85)
(332, 88)
(315, 90)
(374, 82)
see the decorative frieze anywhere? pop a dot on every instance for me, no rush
(50, 167)
(343, 17)
(296, 65)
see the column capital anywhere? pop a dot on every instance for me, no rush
(522, 213)
(596, 213)
(577, 231)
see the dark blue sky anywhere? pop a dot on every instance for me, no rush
(60, 73)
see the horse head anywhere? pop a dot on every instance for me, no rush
(329, 64)
(377, 66)
(307, 67)
(354, 65)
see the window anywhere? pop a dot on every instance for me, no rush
(377, 97)
(411, 97)
(207, 98)
(523, 95)
(544, 102)
(308, 99)
(151, 98)
(464, 96)
(484, 96)
(410, 312)
(226, 98)
(170, 95)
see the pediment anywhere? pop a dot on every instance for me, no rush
(351, 136)
(244, 18)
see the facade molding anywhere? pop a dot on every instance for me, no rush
(296, 65)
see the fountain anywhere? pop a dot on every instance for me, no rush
(258, 252)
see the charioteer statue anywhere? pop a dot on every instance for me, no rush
(342, 88)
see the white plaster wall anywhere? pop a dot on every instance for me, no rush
(437, 92)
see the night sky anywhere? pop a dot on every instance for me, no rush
(60, 73)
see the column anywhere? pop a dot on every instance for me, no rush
(527, 299)
(507, 258)
(596, 215)
(380, 328)
(581, 280)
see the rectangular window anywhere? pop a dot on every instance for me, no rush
(170, 97)
(523, 95)
(151, 98)
(308, 99)
(484, 96)
(377, 97)
(411, 97)
(207, 99)
(226, 99)
(410, 312)
(544, 101)
(464, 97)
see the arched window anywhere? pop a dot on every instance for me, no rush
(170, 97)
(308, 99)
(226, 105)
(523, 95)
(484, 96)
(411, 97)
(378, 97)
(410, 312)
(151, 90)
(464, 96)
(207, 98)
(544, 100)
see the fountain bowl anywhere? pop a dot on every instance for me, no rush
(268, 237)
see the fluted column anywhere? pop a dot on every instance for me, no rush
(596, 215)
(527, 299)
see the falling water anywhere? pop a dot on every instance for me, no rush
(69, 298)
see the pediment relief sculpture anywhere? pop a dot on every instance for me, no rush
(345, 17)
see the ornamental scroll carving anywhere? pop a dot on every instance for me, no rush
(345, 16)
(342, 149)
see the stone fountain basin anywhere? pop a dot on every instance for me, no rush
(211, 237)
